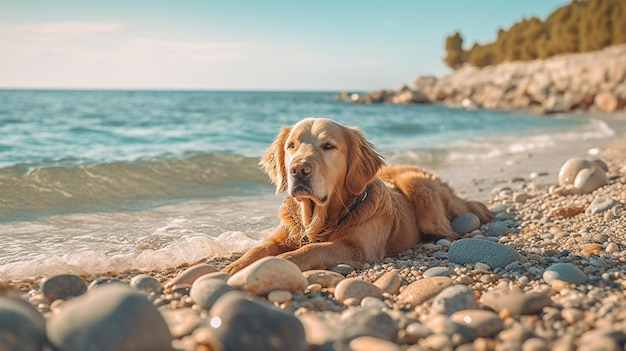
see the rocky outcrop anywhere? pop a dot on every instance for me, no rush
(593, 81)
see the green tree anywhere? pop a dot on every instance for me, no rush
(454, 51)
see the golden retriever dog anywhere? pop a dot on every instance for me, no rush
(343, 205)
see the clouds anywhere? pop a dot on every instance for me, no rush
(82, 54)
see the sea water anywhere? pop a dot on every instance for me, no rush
(98, 181)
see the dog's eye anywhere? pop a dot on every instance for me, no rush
(291, 146)
(328, 146)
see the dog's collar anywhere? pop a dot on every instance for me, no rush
(305, 238)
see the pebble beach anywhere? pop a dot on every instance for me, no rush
(548, 274)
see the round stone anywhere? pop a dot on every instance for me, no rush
(279, 296)
(113, 317)
(566, 272)
(570, 169)
(63, 286)
(390, 282)
(145, 282)
(590, 179)
(465, 223)
(437, 272)
(357, 289)
(103, 281)
(600, 204)
(485, 323)
(204, 292)
(421, 290)
(241, 323)
(21, 326)
(267, 274)
(368, 343)
(452, 299)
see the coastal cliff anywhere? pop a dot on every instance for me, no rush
(592, 81)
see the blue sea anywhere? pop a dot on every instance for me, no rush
(98, 181)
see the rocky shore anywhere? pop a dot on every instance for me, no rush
(548, 274)
(594, 81)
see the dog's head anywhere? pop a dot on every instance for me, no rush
(318, 159)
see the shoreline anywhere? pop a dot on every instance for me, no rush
(547, 229)
(592, 81)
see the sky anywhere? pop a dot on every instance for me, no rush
(355, 45)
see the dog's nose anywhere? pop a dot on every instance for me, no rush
(301, 170)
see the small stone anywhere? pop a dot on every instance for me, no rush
(326, 279)
(357, 289)
(241, 323)
(600, 204)
(566, 272)
(63, 286)
(314, 287)
(279, 296)
(485, 323)
(520, 197)
(368, 343)
(465, 223)
(189, 275)
(147, 283)
(515, 301)
(499, 228)
(417, 331)
(472, 250)
(437, 272)
(421, 290)
(113, 317)
(204, 292)
(343, 269)
(452, 299)
(389, 283)
(267, 274)
(374, 303)
(612, 248)
(437, 342)
(558, 285)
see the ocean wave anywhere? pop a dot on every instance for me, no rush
(29, 192)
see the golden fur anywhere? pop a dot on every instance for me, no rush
(343, 205)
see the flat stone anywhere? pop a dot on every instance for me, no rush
(485, 323)
(566, 272)
(22, 327)
(421, 290)
(63, 286)
(267, 274)
(241, 323)
(465, 223)
(437, 272)
(343, 269)
(204, 292)
(109, 318)
(327, 279)
(515, 301)
(452, 299)
(147, 283)
(390, 282)
(181, 321)
(189, 275)
(600, 204)
(472, 250)
(357, 289)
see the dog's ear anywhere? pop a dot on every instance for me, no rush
(363, 161)
(273, 162)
